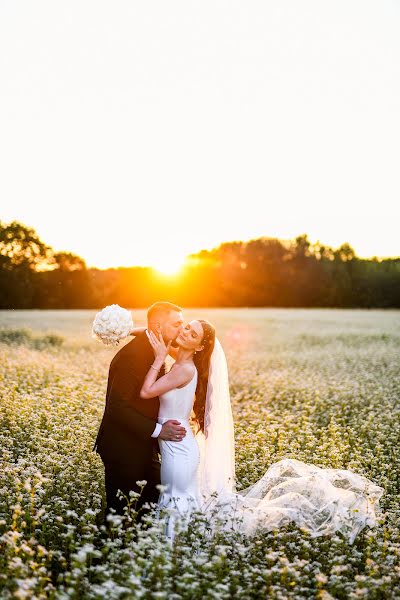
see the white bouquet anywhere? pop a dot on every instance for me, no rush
(112, 324)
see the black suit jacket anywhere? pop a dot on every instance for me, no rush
(128, 421)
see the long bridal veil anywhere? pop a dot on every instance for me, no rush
(217, 444)
(321, 501)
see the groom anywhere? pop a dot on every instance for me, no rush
(127, 438)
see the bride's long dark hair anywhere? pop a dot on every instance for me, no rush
(202, 361)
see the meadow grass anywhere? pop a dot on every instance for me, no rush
(322, 386)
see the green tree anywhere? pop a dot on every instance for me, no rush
(22, 253)
(20, 246)
(66, 261)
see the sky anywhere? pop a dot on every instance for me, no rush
(139, 132)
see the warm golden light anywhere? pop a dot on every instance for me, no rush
(168, 265)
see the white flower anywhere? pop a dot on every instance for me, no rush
(112, 324)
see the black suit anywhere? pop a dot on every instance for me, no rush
(124, 441)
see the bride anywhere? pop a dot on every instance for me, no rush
(198, 473)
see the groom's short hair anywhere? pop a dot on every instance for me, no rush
(161, 308)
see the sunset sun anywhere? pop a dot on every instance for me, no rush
(168, 265)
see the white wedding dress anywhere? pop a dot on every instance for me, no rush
(179, 460)
(198, 473)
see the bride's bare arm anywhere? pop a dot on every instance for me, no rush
(179, 376)
(175, 378)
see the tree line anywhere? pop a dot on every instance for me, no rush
(255, 273)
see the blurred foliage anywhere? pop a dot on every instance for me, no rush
(261, 272)
(23, 336)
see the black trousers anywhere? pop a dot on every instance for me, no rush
(120, 476)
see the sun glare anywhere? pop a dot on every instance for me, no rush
(168, 266)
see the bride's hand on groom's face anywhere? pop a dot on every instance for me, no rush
(160, 349)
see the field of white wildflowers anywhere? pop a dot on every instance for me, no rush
(322, 386)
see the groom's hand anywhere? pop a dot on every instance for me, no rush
(172, 431)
